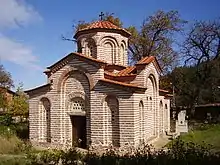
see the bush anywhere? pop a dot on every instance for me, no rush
(6, 120)
(178, 153)
(22, 130)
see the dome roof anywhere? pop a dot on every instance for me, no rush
(101, 25)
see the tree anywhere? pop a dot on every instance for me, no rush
(201, 49)
(19, 105)
(202, 42)
(6, 82)
(155, 38)
(5, 78)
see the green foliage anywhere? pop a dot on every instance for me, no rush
(10, 143)
(5, 78)
(12, 160)
(6, 120)
(177, 153)
(19, 104)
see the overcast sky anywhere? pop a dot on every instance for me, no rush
(30, 30)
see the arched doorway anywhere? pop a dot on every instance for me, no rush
(78, 120)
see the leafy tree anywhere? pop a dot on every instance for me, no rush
(5, 78)
(6, 82)
(19, 105)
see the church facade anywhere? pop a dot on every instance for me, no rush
(93, 98)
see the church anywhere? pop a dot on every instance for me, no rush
(93, 98)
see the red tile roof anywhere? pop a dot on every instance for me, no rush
(147, 60)
(123, 84)
(37, 88)
(71, 55)
(102, 25)
(126, 71)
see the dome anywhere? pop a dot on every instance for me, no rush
(102, 26)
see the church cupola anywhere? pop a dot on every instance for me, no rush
(105, 41)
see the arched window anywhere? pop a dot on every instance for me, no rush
(141, 126)
(112, 130)
(109, 52)
(91, 48)
(45, 120)
(161, 112)
(122, 54)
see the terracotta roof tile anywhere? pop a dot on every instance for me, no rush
(90, 58)
(123, 84)
(71, 55)
(126, 71)
(148, 60)
(102, 25)
(37, 88)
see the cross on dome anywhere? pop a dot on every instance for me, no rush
(101, 16)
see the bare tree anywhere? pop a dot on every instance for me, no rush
(202, 43)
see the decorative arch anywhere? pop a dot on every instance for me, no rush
(69, 71)
(152, 77)
(108, 38)
(74, 87)
(45, 119)
(110, 46)
(75, 99)
(152, 102)
(111, 121)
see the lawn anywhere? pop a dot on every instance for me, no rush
(209, 134)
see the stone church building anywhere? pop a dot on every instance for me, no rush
(93, 98)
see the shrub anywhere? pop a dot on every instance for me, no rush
(178, 153)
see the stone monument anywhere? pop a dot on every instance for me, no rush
(182, 123)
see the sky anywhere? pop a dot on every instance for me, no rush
(31, 30)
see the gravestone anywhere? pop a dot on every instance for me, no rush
(182, 123)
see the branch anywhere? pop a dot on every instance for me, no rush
(68, 39)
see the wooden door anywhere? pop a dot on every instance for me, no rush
(79, 131)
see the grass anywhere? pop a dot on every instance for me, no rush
(12, 148)
(209, 135)
(9, 142)
(12, 160)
